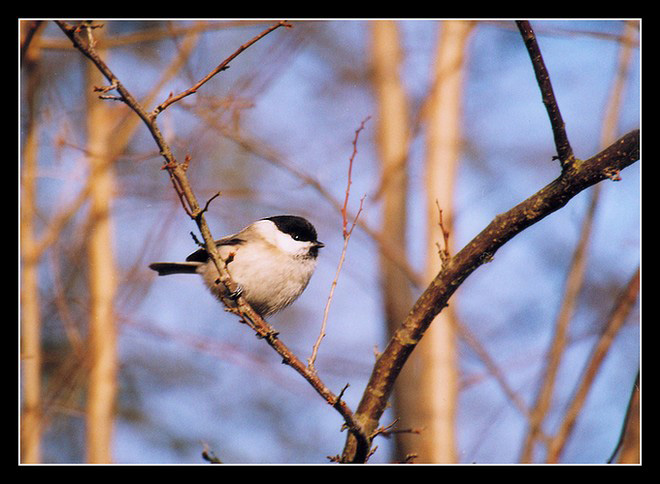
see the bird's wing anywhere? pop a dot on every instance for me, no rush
(200, 255)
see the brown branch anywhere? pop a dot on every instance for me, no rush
(443, 251)
(347, 235)
(575, 276)
(86, 47)
(221, 67)
(177, 172)
(564, 150)
(480, 250)
(209, 456)
(350, 180)
(326, 311)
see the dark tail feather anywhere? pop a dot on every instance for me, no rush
(167, 268)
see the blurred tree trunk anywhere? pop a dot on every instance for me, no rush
(102, 386)
(393, 137)
(435, 360)
(30, 300)
(426, 390)
(622, 308)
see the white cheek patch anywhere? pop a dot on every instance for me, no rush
(284, 242)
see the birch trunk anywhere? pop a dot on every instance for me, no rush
(102, 387)
(435, 360)
(392, 131)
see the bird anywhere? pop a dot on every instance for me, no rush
(271, 260)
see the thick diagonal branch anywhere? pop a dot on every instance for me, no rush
(581, 175)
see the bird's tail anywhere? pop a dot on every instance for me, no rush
(167, 268)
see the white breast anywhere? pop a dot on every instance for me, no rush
(272, 272)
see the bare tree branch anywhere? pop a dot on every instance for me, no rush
(481, 249)
(221, 67)
(575, 276)
(346, 232)
(564, 150)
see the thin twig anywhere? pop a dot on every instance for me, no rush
(209, 456)
(347, 235)
(350, 180)
(443, 251)
(268, 154)
(207, 204)
(221, 67)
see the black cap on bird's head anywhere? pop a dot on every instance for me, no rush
(299, 228)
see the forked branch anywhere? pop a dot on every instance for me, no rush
(480, 250)
(81, 36)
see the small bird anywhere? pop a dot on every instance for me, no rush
(271, 260)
